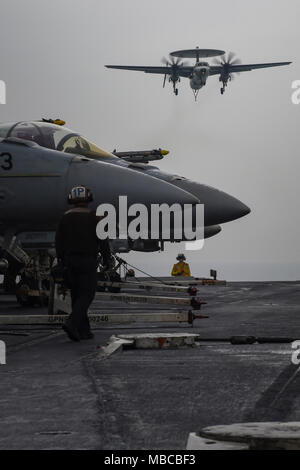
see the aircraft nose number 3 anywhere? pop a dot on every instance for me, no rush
(6, 161)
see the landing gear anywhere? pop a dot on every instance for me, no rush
(175, 89)
(222, 90)
(16, 260)
(22, 294)
(31, 291)
(195, 93)
(174, 81)
(34, 284)
(225, 82)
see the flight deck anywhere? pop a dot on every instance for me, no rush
(237, 369)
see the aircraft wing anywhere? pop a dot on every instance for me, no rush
(164, 70)
(216, 70)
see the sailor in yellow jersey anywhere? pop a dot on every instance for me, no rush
(181, 268)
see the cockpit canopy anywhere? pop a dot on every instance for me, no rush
(53, 137)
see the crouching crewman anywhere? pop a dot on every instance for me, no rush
(181, 268)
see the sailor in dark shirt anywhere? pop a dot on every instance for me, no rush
(77, 246)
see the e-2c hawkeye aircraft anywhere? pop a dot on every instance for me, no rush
(198, 73)
(40, 161)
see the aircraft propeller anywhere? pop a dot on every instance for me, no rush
(229, 60)
(225, 63)
(174, 64)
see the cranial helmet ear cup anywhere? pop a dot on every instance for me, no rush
(90, 196)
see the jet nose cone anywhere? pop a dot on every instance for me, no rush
(242, 209)
(231, 208)
(219, 207)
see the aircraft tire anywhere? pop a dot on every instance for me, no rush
(23, 298)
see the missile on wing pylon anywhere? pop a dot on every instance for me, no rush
(142, 156)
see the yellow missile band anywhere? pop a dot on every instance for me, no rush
(59, 122)
(164, 152)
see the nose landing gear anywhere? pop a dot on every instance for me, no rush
(195, 93)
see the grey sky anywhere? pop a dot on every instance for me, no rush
(245, 142)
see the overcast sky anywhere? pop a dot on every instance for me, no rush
(246, 142)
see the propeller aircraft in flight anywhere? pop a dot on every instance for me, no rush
(174, 68)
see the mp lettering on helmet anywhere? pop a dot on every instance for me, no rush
(81, 192)
(78, 192)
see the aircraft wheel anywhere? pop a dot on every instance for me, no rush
(22, 295)
(176, 91)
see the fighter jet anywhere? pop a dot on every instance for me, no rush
(198, 73)
(219, 207)
(41, 161)
(37, 137)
